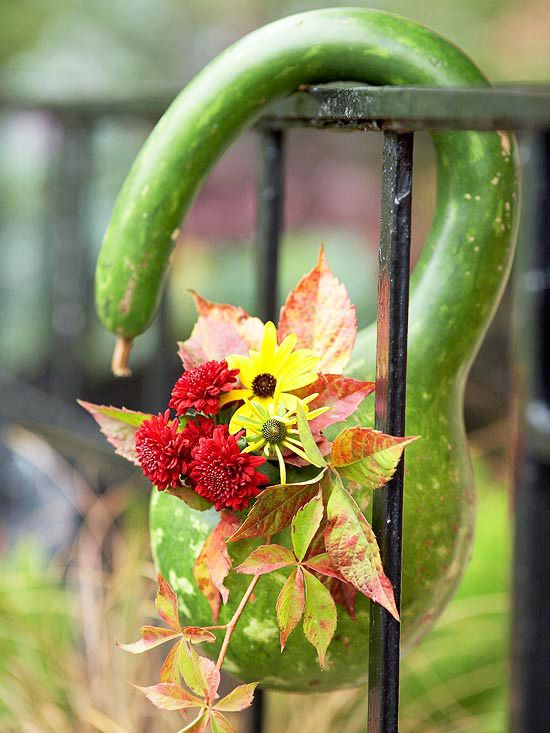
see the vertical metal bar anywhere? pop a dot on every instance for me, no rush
(269, 220)
(391, 373)
(268, 237)
(530, 700)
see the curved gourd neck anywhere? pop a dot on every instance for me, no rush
(458, 280)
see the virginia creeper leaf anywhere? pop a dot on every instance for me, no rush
(305, 524)
(198, 725)
(321, 314)
(319, 616)
(197, 635)
(322, 564)
(265, 559)
(353, 549)
(220, 724)
(249, 328)
(168, 696)
(190, 497)
(211, 676)
(238, 699)
(367, 456)
(199, 673)
(119, 426)
(307, 440)
(210, 339)
(170, 670)
(151, 636)
(290, 604)
(343, 593)
(275, 507)
(213, 563)
(167, 604)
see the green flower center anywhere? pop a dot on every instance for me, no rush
(264, 385)
(274, 431)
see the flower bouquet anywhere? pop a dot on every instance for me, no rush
(253, 434)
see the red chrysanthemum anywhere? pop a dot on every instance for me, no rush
(202, 387)
(222, 474)
(195, 429)
(160, 450)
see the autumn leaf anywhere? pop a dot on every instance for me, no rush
(213, 563)
(275, 507)
(151, 637)
(238, 699)
(169, 696)
(319, 616)
(198, 725)
(307, 440)
(353, 549)
(343, 594)
(220, 724)
(342, 395)
(323, 564)
(167, 604)
(199, 673)
(119, 426)
(197, 635)
(210, 339)
(170, 670)
(249, 328)
(290, 604)
(367, 456)
(265, 559)
(305, 524)
(190, 497)
(321, 314)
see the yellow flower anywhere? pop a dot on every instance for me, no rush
(274, 371)
(270, 427)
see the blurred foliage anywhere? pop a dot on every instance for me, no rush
(60, 671)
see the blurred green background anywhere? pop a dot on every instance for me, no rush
(82, 82)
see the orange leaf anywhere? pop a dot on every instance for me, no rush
(265, 559)
(249, 328)
(321, 314)
(210, 339)
(151, 636)
(169, 696)
(167, 604)
(238, 699)
(213, 563)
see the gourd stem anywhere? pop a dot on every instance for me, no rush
(121, 357)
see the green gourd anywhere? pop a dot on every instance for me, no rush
(455, 289)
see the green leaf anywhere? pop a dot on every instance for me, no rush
(290, 604)
(169, 696)
(275, 507)
(190, 497)
(199, 673)
(353, 549)
(307, 440)
(265, 559)
(167, 604)
(305, 524)
(119, 426)
(198, 725)
(171, 668)
(220, 724)
(367, 456)
(319, 617)
(151, 636)
(238, 699)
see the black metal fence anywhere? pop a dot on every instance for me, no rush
(398, 113)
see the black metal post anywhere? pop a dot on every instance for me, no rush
(391, 375)
(270, 219)
(530, 701)
(268, 237)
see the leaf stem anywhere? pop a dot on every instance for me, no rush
(230, 627)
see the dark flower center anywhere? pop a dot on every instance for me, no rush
(264, 385)
(274, 431)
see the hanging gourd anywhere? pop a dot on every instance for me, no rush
(455, 289)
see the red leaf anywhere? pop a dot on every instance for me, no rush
(290, 604)
(210, 339)
(319, 616)
(249, 328)
(342, 394)
(211, 676)
(275, 507)
(213, 563)
(119, 426)
(151, 636)
(320, 313)
(343, 593)
(265, 559)
(322, 564)
(168, 696)
(197, 635)
(367, 456)
(305, 524)
(220, 724)
(167, 604)
(238, 699)
(353, 549)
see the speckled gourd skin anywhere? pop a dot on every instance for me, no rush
(454, 291)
